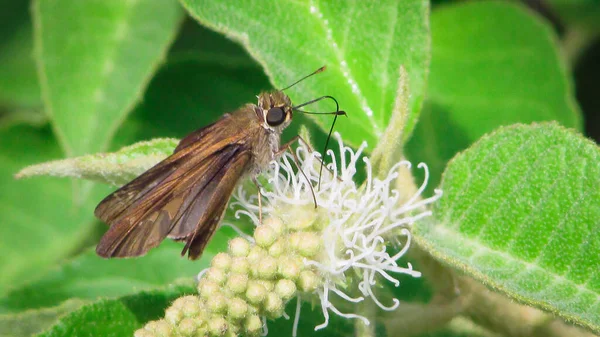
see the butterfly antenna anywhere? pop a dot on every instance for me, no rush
(305, 77)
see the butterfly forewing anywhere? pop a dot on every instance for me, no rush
(182, 197)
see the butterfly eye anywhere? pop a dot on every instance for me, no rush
(275, 116)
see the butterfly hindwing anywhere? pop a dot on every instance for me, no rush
(182, 197)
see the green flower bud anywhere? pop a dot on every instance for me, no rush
(276, 224)
(160, 328)
(273, 305)
(253, 324)
(300, 218)
(173, 314)
(267, 267)
(187, 326)
(221, 261)
(256, 292)
(191, 306)
(238, 308)
(269, 285)
(216, 275)
(143, 333)
(286, 289)
(207, 288)
(308, 281)
(289, 268)
(294, 240)
(237, 283)
(277, 248)
(239, 247)
(217, 326)
(309, 245)
(240, 265)
(256, 254)
(217, 303)
(264, 236)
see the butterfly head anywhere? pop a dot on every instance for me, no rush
(276, 109)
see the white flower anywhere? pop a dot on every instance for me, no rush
(361, 225)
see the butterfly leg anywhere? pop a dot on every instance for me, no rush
(259, 200)
(288, 146)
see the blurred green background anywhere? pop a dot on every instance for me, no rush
(47, 228)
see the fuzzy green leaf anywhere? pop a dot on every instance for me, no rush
(89, 277)
(363, 46)
(19, 86)
(492, 64)
(32, 322)
(40, 223)
(521, 213)
(116, 168)
(118, 317)
(94, 59)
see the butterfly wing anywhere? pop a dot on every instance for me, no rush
(182, 197)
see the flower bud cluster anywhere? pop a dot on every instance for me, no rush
(250, 282)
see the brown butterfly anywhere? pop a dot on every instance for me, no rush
(185, 196)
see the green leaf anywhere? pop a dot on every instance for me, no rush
(90, 277)
(19, 86)
(117, 317)
(189, 94)
(362, 45)
(584, 13)
(521, 213)
(200, 44)
(492, 64)
(35, 321)
(116, 168)
(40, 223)
(95, 65)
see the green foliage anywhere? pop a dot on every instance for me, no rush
(92, 79)
(363, 60)
(520, 207)
(494, 64)
(520, 213)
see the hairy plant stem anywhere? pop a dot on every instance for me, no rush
(488, 309)
(459, 295)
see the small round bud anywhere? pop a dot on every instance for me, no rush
(294, 240)
(256, 254)
(264, 236)
(190, 307)
(253, 324)
(143, 333)
(286, 289)
(217, 303)
(207, 288)
(276, 224)
(173, 315)
(289, 268)
(273, 305)
(187, 326)
(301, 218)
(160, 328)
(240, 265)
(221, 261)
(308, 281)
(238, 308)
(237, 283)
(217, 326)
(256, 292)
(267, 267)
(277, 248)
(216, 275)
(310, 244)
(239, 247)
(269, 285)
